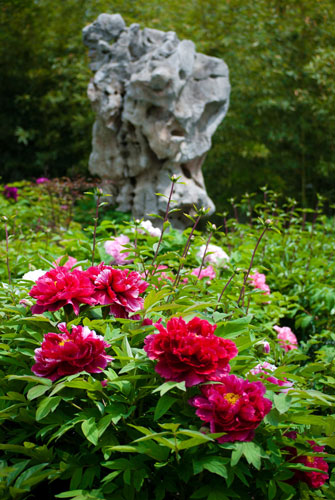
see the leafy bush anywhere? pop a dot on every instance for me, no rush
(151, 422)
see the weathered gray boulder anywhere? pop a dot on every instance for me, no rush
(157, 103)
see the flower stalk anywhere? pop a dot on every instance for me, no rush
(268, 223)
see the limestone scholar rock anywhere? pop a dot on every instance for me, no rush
(157, 103)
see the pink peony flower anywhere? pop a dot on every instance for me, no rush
(207, 272)
(163, 276)
(59, 287)
(214, 255)
(118, 288)
(257, 280)
(236, 406)
(10, 192)
(114, 247)
(313, 479)
(71, 261)
(263, 346)
(189, 352)
(69, 353)
(42, 180)
(287, 339)
(265, 368)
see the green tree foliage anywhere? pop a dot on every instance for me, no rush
(280, 126)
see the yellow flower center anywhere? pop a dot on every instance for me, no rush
(63, 341)
(310, 460)
(231, 397)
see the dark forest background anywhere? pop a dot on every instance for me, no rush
(279, 130)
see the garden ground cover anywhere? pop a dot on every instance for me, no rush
(137, 363)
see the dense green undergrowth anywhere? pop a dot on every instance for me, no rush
(136, 435)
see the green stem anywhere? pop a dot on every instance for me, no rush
(250, 266)
(95, 228)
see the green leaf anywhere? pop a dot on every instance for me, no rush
(46, 406)
(214, 464)
(272, 489)
(31, 378)
(90, 430)
(163, 405)
(236, 454)
(167, 386)
(70, 494)
(252, 453)
(231, 329)
(282, 402)
(37, 391)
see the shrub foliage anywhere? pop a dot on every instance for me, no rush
(132, 424)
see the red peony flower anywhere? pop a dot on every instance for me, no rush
(189, 352)
(313, 479)
(118, 288)
(69, 353)
(236, 406)
(59, 287)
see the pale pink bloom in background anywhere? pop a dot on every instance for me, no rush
(114, 247)
(214, 255)
(152, 230)
(287, 339)
(163, 276)
(42, 180)
(71, 261)
(207, 272)
(264, 368)
(257, 280)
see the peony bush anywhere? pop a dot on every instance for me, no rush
(141, 364)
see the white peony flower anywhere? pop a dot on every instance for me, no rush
(152, 230)
(33, 275)
(214, 255)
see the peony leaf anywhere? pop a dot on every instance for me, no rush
(282, 402)
(37, 391)
(167, 386)
(231, 329)
(252, 453)
(163, 405)
(46, 406)
(90, 430)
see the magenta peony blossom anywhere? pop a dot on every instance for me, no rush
(287, 339)
(42, 180)
(314, 479)
(189, 352)
(257, 280)
(118, 288)
(265, 368)
(207, 272)
(69, 353)
(114, 247)
(10, 192)
(71, 261)
(236, 406)
(59, 287)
